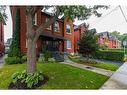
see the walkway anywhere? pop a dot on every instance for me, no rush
(90, 68)
(118, 80)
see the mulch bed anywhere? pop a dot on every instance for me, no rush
(20, 85)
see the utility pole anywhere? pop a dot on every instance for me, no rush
(124, 43)
(123, 13)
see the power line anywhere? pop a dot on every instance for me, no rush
(106, 15)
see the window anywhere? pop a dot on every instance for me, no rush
(68, 44)
(56, 27)
(68, 28)
(34, 19)
(50, 27)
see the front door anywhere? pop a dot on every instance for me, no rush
(52, 45)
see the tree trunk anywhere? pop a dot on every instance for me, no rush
(31, 46)
(31, 56)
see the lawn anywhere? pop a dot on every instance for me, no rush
(61, 76)
(107, 66)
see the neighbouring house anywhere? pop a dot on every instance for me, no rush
(7, 44)
(59, 37)
(110, 41)
(78, 30)
(2, 47)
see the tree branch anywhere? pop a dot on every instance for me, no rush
(35, 9)
(45, 25)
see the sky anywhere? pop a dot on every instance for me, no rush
(111, 20)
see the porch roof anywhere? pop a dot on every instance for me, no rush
(54, 37)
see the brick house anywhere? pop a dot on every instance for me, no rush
(2, 47)
(105, 39)
(59, 37)
(78, 30)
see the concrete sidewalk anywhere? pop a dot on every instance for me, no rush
(90, 68)
(118, 80)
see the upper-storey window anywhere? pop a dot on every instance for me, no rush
(56, 27)
(68, 29)
(34, 19)
(50, 27)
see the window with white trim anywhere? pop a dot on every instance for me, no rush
(34, 19)
(68, 29)
(56, 27)
(68, 44)
(50, 27)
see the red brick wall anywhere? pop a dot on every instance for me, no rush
(77, 35)
(40, 20)
(2, 47)
(69, 36)
(111, 43)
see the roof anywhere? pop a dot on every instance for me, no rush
(50, 15)
(79, 26)
(53, 36)
(104, 34)
(109, 36)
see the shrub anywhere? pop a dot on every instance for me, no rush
(29, 79)
(103, 47)
(12, 60)
(88, 44)
(110, 55)
(24, 58)
(47, 55)
(125, 58)
(15, 45)
(121, 49)
(52, 60)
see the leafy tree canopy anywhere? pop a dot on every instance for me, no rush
(3, 15)
(88, 43)
(80, 12)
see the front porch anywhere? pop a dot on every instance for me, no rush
(54, 44)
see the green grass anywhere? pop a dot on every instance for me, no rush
(61, 76)
(107, 66)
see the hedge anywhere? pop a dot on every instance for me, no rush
(122, 50)
(110, 55)
(15, 60)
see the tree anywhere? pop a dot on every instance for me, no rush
(3, 15)
(88, 44)
(15, 45)
(116, 34)
(122, 37)
(71, 12)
